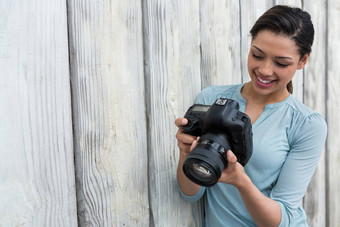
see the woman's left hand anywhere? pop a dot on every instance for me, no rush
(234, 173)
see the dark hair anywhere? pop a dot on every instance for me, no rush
(291, 22)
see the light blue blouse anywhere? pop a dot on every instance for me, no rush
(288, 139)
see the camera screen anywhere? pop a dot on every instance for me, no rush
(201, 108)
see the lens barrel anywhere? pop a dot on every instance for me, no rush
(205, 163)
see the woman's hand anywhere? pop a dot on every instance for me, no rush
(185, 142)
(234, 173)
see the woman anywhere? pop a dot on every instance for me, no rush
(288, 137)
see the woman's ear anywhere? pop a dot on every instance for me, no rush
(303, 61)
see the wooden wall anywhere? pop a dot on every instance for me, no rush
(37, 182)
(89, 92)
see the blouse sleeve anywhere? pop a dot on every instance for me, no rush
(192, 198)
(306, 145)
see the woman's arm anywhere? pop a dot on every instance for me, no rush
(264, 211)
(185, 143)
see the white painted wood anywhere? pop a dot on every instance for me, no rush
(220, 42)
(333, 110)
(314, 97)
(172, 57)
(125, 147)
(36, 153)
(106, 43)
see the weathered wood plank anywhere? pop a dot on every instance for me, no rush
(36, 148)
(172, 56)
(220, 42)
(106, 43)
(333, 110)
(314, 97)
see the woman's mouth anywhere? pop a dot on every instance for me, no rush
(264, 83)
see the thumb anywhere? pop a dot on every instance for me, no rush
(231, 157)
(194, 143)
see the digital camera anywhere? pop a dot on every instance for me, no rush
(221, 127)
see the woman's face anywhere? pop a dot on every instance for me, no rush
(272, 62)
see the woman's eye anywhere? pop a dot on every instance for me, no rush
(277, 63)
(256, 56)
(281, 65)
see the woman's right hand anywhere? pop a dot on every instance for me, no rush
(185, 142)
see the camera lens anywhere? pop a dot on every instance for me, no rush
(207, 160)
(201, 170)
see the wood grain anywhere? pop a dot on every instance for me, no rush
(135, 67)
(332, 113)
(314, 97)
(36, 151)
(106, 43)
(172, 80)
(220, 42)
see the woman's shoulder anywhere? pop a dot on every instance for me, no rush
(306, 121)
(209, 94)
(302, 111)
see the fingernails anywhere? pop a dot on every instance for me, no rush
(193, 144)
(230, 154)
(184, 121)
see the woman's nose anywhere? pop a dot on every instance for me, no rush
(266, 68)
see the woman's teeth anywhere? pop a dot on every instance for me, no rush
(264, 81)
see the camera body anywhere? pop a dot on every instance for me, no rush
(221, 127)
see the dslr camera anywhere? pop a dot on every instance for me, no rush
(221, 127)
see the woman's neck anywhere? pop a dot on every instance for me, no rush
(250, 95)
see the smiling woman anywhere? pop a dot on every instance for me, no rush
(272, 62)
(288, 137)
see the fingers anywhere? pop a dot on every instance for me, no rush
(180, 136)
(180, 122)
(184, 141)
(194, 143)
(234, 171)
(232, 159)
(184, 138)
(184, 147)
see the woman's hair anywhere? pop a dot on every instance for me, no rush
(291, 22)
